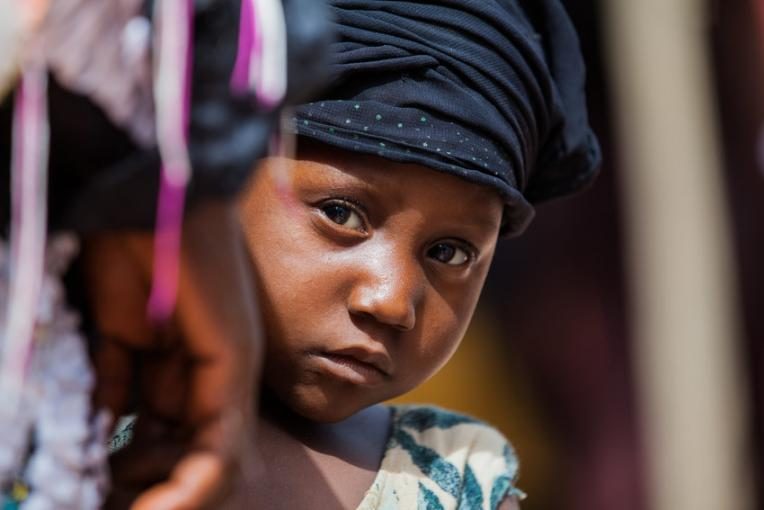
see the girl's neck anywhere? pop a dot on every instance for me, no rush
(367, 430)
(332, 462)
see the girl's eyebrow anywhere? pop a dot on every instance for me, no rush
(482, 222)
(339, 182)
(358, 190)
(476, 229)
(347, 183)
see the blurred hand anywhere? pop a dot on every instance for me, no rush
(192, 380)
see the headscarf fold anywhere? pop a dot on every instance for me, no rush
(489, 90)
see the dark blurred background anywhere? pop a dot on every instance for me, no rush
(550, 356)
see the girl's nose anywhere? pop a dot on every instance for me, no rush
(389, 290)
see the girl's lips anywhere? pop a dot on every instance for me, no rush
(350, 369)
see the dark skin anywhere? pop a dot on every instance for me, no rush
(369, 272)
(195, 375)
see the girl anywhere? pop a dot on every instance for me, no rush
(444, 122)
(446, 119)
(370, 271)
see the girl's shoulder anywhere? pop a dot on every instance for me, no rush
(439, 459)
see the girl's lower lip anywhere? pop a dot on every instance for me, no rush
(350, 369)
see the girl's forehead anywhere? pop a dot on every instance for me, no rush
(396, 185)
(368, 170)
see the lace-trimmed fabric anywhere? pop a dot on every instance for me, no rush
(53, 449)
(437, 459)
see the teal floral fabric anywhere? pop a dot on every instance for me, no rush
(440, 460)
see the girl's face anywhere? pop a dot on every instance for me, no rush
(369, 272)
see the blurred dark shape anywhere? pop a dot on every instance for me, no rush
(559, 291)
(737, 39)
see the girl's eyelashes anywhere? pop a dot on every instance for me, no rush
(343, 213)
(451, 253)
(351, 216)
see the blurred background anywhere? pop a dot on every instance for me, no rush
(619, 341)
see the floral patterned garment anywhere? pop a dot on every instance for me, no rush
(434, 460)
(439, 460)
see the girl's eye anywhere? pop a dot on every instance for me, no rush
(449, 253)
(342, 214)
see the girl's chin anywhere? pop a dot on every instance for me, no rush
(315, 405)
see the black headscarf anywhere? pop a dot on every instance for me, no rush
(489, 90)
